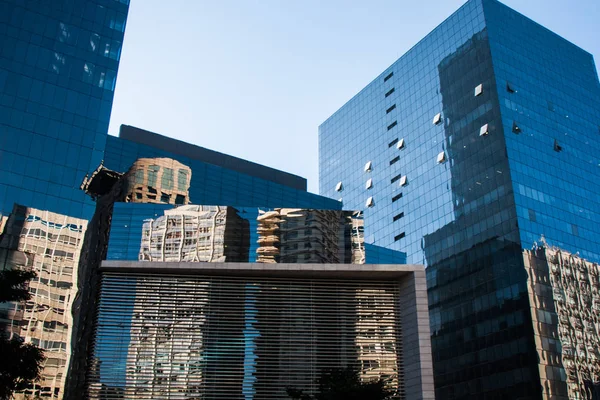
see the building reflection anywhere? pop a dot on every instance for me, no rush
(196, 234)
(481, 331)
(564, 292)
(163, 180)
(48, 244)
(294, 235)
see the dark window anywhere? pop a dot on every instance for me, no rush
(394, 179)
(393, 124)
(395, 160)
(393, 142)
(551, 106)
(387, 78)
(179, 199)
(397, 197)
(389, 110)
(516, 128)
(575, 229)
(165, 198)
(390, 92)
(397, 217)
(398, 237)
(557, 147)
(532, 216)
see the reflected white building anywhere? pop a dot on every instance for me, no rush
(48, 244)
(196, 234)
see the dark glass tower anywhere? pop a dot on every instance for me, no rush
(480, 140)
(58, 66)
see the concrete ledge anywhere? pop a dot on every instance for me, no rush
(342, 271)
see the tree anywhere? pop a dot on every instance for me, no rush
(13, 285)
(343, 384)
(21, 362)
(23, 367)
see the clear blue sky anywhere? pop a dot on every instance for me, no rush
(255, 78)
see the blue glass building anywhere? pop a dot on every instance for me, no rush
(58, 66)
(480, 140)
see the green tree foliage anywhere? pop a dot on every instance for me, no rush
(20, 363)
(343, 384)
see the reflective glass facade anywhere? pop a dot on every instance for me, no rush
(554, 158)
(216, 178)
(58, 66)
(465, 151)
(157, 232)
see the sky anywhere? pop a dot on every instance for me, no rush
(256, 78)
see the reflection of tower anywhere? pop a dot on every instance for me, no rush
(376, 335)
(475, 271)
(148, 180)
(196, 234)
(48, 244)
(168, 332)
(565, 308)
(186, 340)
(478, 167)
(357, 238)
(163, 180)
(268, 237)
(292, 235)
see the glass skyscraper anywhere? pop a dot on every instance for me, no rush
(58, 67)
(481, 142)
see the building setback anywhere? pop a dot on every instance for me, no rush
(463, 153)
